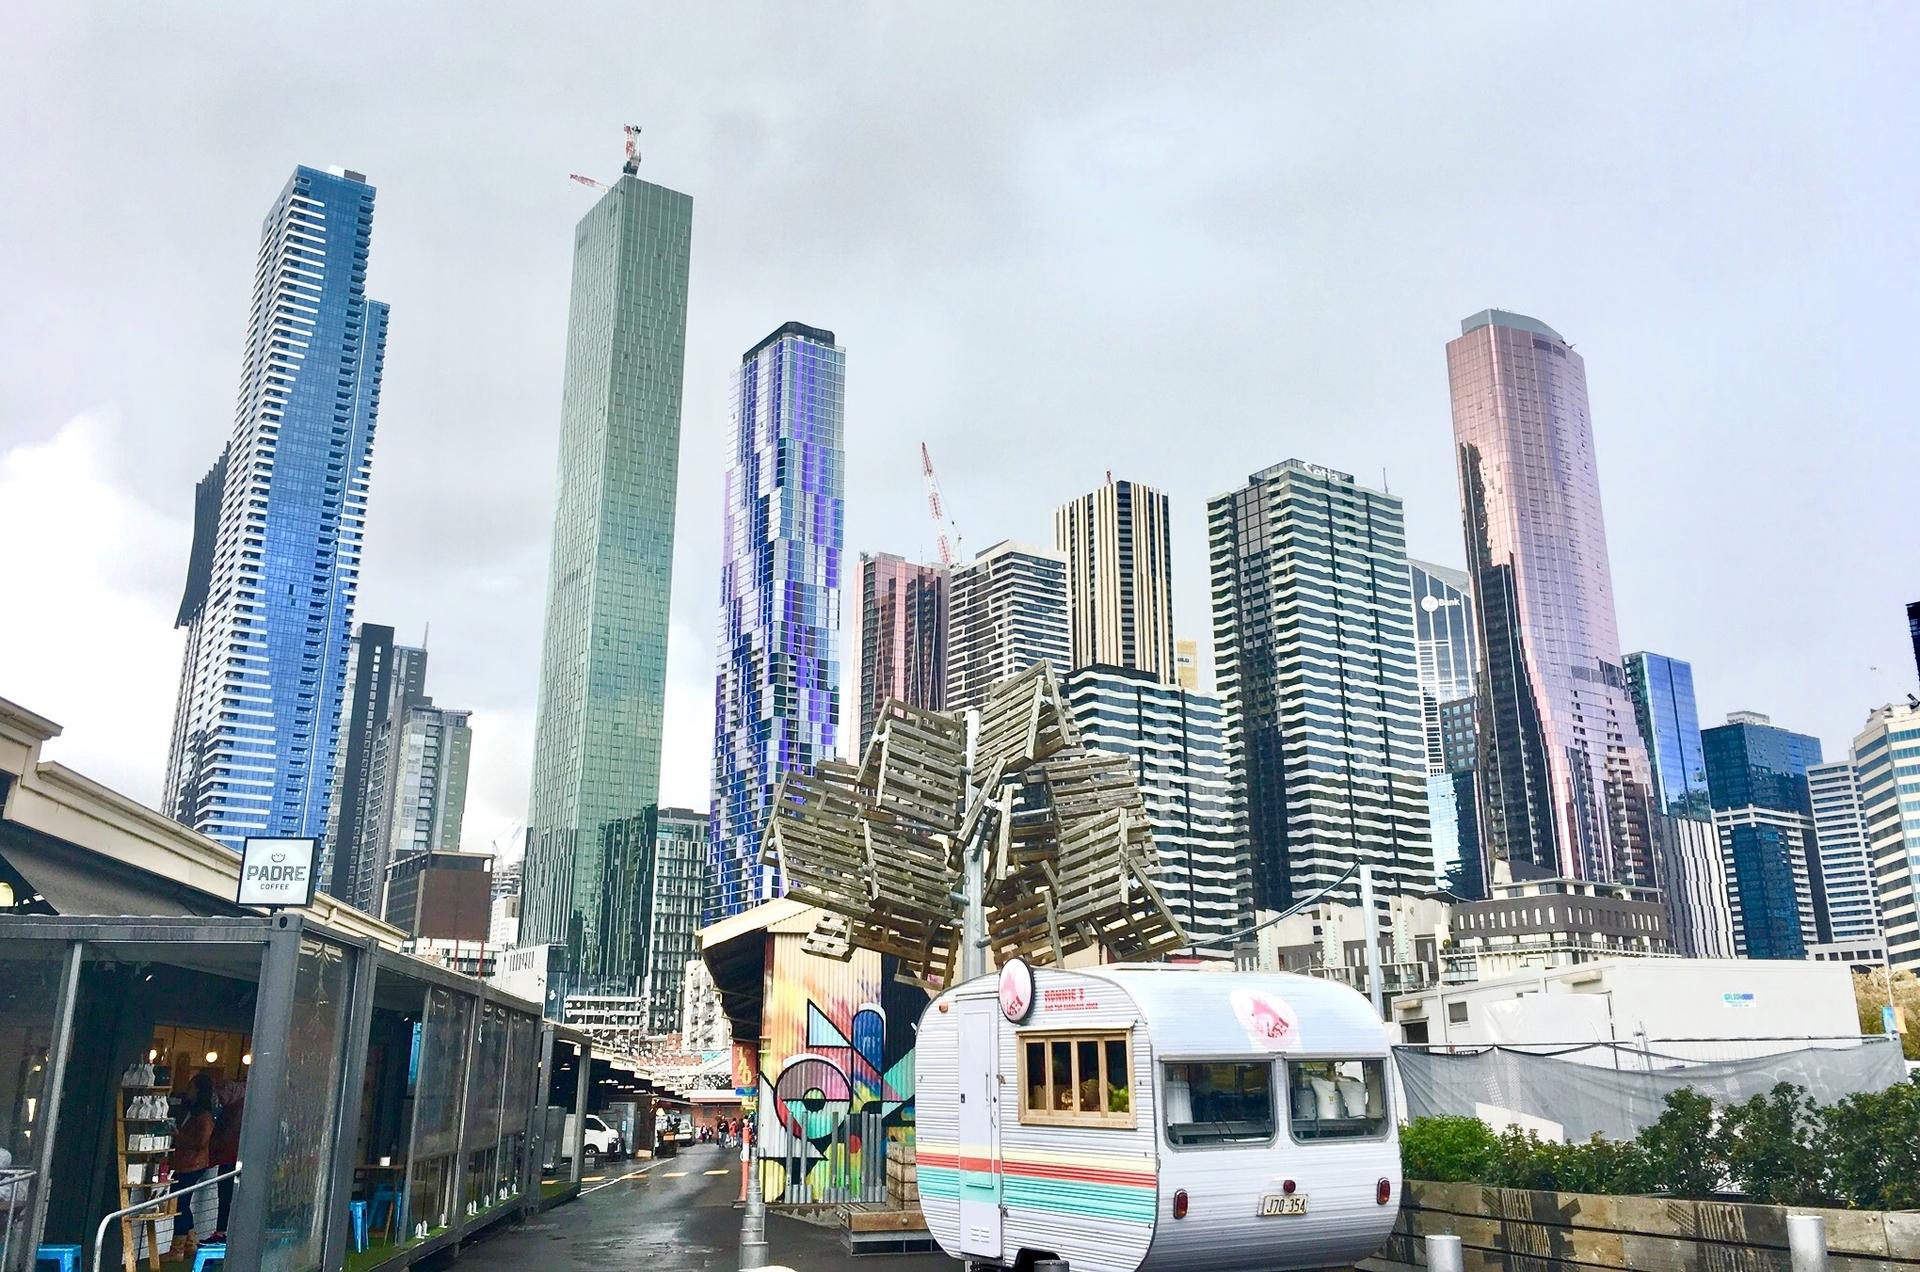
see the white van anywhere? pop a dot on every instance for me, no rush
(1155, 1117)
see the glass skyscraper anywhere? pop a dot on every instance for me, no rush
(777, 694)
(1563, 774)
(1442, 645)
(603, 661)
(277, 531)
(1118, 543)
(1757, 781)
(903, 636)
(1669, 722)
(1314, 657)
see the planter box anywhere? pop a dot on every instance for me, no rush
(1518, 1231)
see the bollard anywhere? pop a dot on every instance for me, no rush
(1445, 1255)
(1807, 1242)
(753, 1219)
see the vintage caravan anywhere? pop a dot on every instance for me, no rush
(1159, 1117)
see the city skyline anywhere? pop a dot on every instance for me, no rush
(470, 574)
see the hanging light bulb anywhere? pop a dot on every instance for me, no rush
(213, 1057)
(247, 1058)
(153, 1053)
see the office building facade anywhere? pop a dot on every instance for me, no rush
(1314, 659)
(1175, 740)
(1757, 783)
(777, 693)
(676, 903)
(382, 678)
(417, 799)
(278, 524)
(603, 659)
(1186, 662)
(1118, 545)
(1459, 858)
(1884, 753)
(903, 636)
(1844, 854)
(1009, 611)
(1669, 726)
(1442, 645)
(1563, 776)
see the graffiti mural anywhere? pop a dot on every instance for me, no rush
(836, 1072)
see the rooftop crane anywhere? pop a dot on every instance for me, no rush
(588, 181)
(627, 169)
(936, 507)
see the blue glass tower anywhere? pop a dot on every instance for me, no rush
(278, 524)
(1757, 779)
(1663, 705)
(777, 695)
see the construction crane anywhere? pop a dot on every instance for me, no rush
(588, 181)
(936, 506)
(632, 166)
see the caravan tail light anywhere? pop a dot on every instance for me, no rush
(1383, 1192)
(1179, 1203)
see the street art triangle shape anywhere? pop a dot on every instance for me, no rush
(822, 1032)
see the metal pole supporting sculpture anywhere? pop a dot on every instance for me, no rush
(1061, 829)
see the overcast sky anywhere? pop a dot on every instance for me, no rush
(1177, 242)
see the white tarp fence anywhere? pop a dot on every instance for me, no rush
(1615, 1089)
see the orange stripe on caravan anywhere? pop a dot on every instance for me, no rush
(1039, 1170)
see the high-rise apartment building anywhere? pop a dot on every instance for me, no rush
(676, 898)
(417, 799)
(1176, 742)
(903, 636)
(277, 532)
(603, 659)
(1757, 782)
(1846, 859)
(1886, 750)
(777, 694)
(382, 679)
(1314, 657)
(1118, 544)
(1563, 774)
(1008, 612)
(1186, 662)
(1696, 887)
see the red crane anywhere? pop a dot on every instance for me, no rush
(936, 507)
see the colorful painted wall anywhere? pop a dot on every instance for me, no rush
(836, 1072)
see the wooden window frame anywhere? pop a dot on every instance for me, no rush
(1030, 1116)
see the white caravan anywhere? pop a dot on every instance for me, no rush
(1149, 1116)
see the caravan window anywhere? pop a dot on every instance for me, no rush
(1337, 1099)
(1076, 1079)
(1218, 1102)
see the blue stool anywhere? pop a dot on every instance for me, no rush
(64, 1257)
(358, 1211)
(386, 1195)
(209, 1254)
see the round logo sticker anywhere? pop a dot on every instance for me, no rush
(1268, 1020)
(1016, 990)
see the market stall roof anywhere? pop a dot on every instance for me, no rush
(89, 850)
(735, 951)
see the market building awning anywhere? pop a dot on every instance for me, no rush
(735, 952)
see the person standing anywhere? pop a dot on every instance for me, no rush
(189, 1160)
(223, 1151)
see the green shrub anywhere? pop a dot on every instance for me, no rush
(1449, 1150)
(1680, 1151)
(1770, 1149)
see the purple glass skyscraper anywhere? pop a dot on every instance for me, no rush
(1564, 779)
(777, 696)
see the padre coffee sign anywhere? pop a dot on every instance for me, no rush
(277, 872)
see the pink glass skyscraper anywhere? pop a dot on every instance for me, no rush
(1564, 778)
(903, 636)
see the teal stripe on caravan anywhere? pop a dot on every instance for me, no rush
(1065, 1196)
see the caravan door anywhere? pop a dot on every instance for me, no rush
(979, 1082)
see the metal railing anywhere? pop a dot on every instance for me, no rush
(100, 1234)
(837, 1177)
(16, 1185)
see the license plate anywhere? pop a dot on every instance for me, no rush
(1283, 1204)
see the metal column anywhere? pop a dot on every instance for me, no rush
(335, 1239)
(266, 1087)
(58, 1047)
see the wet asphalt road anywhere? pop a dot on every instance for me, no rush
(671, 1215)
